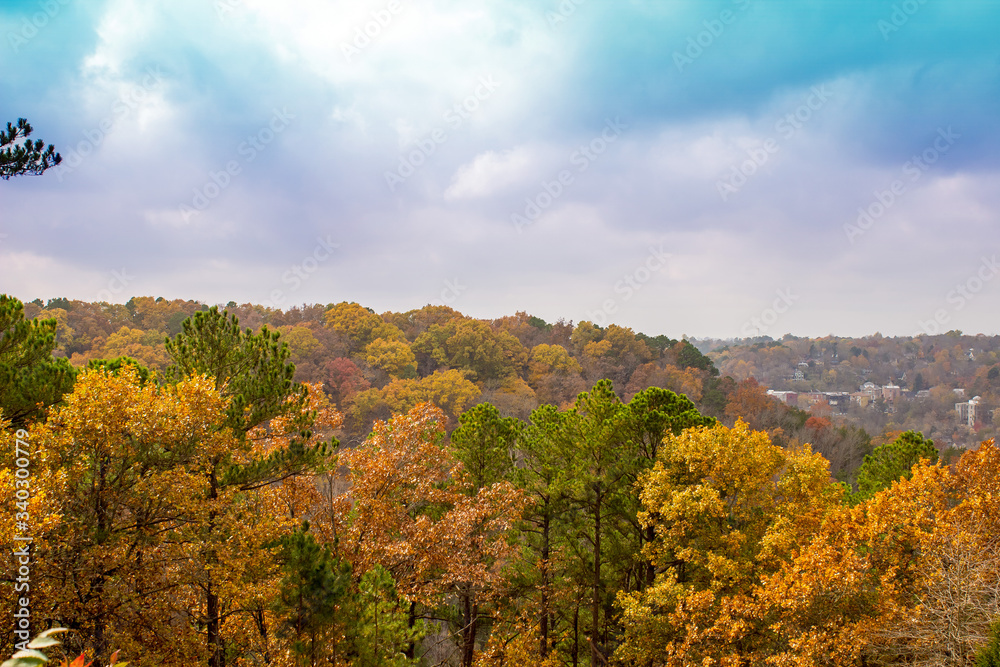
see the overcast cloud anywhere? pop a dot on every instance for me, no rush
(675, 167)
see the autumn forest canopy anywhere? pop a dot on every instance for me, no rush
(242, 485)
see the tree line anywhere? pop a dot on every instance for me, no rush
(207, 514)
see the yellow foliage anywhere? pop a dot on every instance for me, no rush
(548, 359)
(728, 507)
(359, 324)
(302, 343)
(146, 347)
(449, 390)
(392, 356)
(597, 349)
(133, 525)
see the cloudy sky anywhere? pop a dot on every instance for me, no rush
(709, 168)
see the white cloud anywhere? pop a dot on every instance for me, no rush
(491, 172)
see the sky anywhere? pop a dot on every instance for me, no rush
(724, 168)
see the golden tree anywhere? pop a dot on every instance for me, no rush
(728, 508)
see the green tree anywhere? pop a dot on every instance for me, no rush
(582, 536)
(892, 462)
(29, 158)
(688, 356)
(472, 345)
(989, 656)
(544, 475)
(651, 415)
(30, 378)
(251, 371)
(114, 367)
(314, 586)
(382, 632)
(588, 438)
(486, 444)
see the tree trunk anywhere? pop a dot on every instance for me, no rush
(470, 621)
(100, 642)
(650, 568)
(411, 648)
(595, 604)
(97, 587)
(261, 622)
(576, 635)
(543, 623)
(216, 657)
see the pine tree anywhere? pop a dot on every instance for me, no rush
(30, 378)
(485, 443)
(314, 588)
(30, 158)
(382, 632)
(891, 462)
(250, 370)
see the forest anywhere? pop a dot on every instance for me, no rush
(239, 485)
(928, 369)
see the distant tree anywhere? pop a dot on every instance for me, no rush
(29, 158)
(751, 402)
(716, 395)
(893, 461)
(359, 325)
(30, 378)
(657, 344)
(539, 323)
(392, 356)
(114, 367)
(688, 356)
